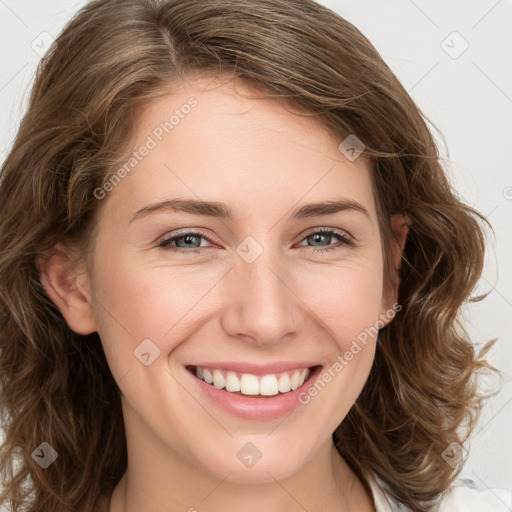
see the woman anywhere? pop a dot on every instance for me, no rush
(232, 271)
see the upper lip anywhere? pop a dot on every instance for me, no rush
(257, 369)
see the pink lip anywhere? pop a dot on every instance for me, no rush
(254, 407)
(256, 369)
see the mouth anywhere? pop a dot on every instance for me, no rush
(251, 385)
(253, 396)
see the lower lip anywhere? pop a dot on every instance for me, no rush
(255, 407)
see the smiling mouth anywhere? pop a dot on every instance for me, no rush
(250, 385)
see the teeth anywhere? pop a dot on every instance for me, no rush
(284, 383)
(294, 381)
(232, 382)
(218, 379)
(248, 384)
(207, 376)
(269, 386)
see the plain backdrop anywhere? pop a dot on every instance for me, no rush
(455, 59)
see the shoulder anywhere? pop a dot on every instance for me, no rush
(463, 496)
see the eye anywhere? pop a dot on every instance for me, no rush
(186, 241)
(321, 235)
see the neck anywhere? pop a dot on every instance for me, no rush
(325, 483)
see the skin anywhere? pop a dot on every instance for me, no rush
(263, 162)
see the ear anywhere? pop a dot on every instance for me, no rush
(400, 227)
(66, 282)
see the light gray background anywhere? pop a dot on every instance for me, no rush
(467, 95)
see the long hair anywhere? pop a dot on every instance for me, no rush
(112, 58)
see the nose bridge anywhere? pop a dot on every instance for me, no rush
(262, 304)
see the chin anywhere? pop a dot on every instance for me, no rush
(256, 460)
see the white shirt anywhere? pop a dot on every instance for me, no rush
(461, 496)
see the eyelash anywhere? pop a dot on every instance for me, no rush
(344, 239)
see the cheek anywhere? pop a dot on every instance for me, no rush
(346, 301)
(346, 297)
(133, 304)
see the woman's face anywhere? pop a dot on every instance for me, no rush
(251, 297)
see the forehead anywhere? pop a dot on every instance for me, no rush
(212, 140)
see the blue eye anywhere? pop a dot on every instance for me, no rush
(324, 234)
(190, 242)
(183, 241)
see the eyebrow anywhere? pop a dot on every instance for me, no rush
(222, 211)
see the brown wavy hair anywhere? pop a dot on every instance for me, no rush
(112, 58)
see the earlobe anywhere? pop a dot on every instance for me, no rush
(66, 283)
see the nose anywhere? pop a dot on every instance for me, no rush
(263, 307)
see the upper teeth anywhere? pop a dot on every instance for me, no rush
(248, 384)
